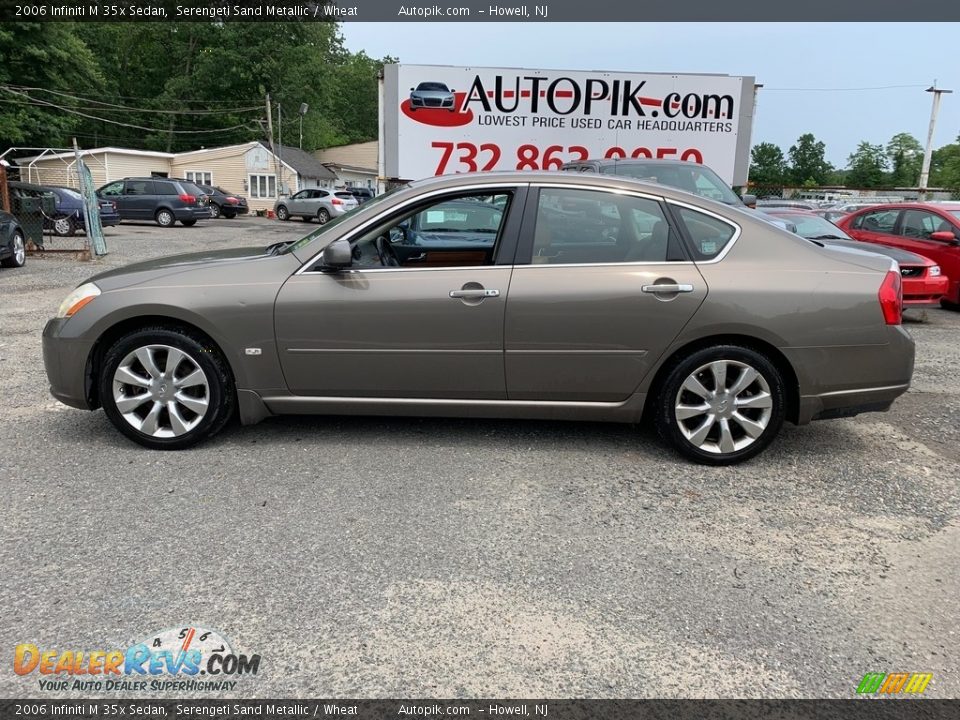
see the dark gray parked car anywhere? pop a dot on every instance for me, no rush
(13, 251)
(595, 297)
(162, 200)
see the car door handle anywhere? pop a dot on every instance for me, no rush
(474, 294)
(667, 288)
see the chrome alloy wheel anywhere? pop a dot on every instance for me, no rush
(723, 407)
(19, 249)
(161, 391)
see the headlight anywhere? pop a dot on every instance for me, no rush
(934, 271)
(77, 299)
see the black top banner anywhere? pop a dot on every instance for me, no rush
(434, 709)
(475, 11)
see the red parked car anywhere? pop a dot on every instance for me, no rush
(928, 229)
(922, 280)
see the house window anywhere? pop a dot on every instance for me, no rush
(263, 186)
(200, 177)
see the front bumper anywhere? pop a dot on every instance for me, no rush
(66, 363)
(924, 291)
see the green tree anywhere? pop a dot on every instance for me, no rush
(51, 57)
(906, 156)
(867, 166)
(808, 162)
(945, 166)
(768, 167)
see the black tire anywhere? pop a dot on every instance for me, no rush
(948, 305)
(18, 251)
(709, 451)
(229, 215)
(220, 394)
(164, 217)
(189, 223)
(64, 226)
(323, 217)
(283, 213)
(214, 210)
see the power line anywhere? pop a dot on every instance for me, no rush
(226, 111)
(45, 103)
(880, 87)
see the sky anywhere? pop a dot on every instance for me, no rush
(817, 77)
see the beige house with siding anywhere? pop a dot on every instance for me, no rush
(355, 164)
(248, 169)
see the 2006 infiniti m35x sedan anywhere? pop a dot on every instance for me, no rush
(517, 295)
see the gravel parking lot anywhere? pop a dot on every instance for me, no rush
(437, 558)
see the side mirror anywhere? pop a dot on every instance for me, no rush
(336, 256)
(749, 200)
(412, 89)
(943, 236)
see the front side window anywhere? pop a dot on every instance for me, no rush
(594, 226)
(920, 224)
(138, 187)
(113, 189)
(263, 186)
(710, 235)
(458, 231)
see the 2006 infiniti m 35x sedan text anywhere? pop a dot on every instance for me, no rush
(533, 295)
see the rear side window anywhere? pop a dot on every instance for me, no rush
(165, 188)
(881, 221)
(192, 189)
(710, 235)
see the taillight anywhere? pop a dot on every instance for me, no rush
(891, 298)
(188, 199)
(336, 201)
(114, 206)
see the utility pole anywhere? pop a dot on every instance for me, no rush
(925, 171)
(280, 151)
(269, 132)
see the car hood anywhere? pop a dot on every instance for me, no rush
(201, 263)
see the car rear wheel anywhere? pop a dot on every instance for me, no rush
(64, 226)
(164, 218)
(721, 405)
(323, 216)
(166, 388)
(18, 251)
(283, 213)
(189, 223)
(214, 210)
(229, 215)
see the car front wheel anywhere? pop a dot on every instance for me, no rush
(165, 218)
(721, 405)
(18, 251)
(283, 213)
(166, 388)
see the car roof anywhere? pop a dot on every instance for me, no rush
(604, 162)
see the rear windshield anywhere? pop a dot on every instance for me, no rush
(345, 196)
(694, 178)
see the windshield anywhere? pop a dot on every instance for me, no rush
(815, 227)
(432, 87)
(693, 178)
(307, 239)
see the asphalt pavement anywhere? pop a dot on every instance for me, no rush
(475, 558)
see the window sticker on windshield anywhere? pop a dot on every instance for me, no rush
(434, 216)
(708, 247)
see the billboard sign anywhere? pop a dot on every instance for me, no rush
(440, 119)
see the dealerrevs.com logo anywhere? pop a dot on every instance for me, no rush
(181, 659)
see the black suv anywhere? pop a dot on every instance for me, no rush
(690, 176)
(362, 194)
(163, 200)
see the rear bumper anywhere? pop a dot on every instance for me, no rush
(235, 209)
(845, 381)
(191, 213)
